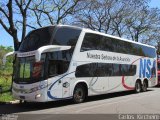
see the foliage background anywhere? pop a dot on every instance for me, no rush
(5, 75)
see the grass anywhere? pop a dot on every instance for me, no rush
(6, 97)
(5, 83)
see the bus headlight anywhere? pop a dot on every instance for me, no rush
(37, 96)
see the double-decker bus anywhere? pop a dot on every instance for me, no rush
(66, 62)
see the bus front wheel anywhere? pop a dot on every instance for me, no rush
(79, 94)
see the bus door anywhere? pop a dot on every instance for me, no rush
(58, 66)
(55, 80)
(66, 87)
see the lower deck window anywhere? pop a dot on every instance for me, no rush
(105, 69)
(57, 67)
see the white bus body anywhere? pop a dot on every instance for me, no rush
(98, 64)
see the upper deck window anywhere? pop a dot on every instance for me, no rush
(37, 39)
(66, 36)
(45, 36)
(99, 42)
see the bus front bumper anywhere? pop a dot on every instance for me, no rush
(38, 96)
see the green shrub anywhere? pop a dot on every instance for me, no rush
(6, 75)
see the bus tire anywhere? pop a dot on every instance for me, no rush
(144, 86)
(138, 87)
(79, 94)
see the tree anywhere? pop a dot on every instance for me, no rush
(144, 25)
(131, 19)
(54, 11)
(20, 15)
(7, 19)
(97, 16)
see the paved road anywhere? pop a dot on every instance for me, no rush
(116, 103)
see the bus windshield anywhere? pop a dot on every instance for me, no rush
(37, 39)
(50, 36)
(26, 70)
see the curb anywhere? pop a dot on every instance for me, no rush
(14, 102)
(10, 102)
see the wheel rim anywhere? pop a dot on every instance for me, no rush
(79, 95)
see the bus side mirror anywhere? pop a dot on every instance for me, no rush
(49, 48)
(5, 57)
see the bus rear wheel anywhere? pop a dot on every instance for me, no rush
(138, 87)
(144, 87)
(79, 94)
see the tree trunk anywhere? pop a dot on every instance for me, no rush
(15, 40)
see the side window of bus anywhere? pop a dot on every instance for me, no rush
(98, 42)
(66, 36)
(57, 67)
(86, 70)
(91, 42)
(58, 63)
(105, 69)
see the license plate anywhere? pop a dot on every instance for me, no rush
(22, 97)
